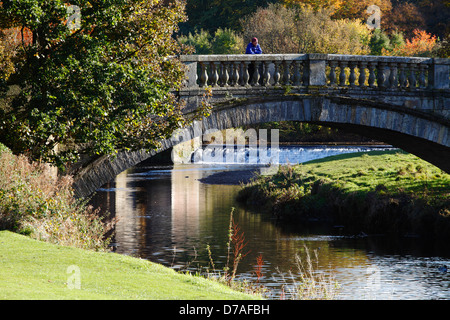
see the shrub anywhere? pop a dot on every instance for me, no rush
(423, 44)
(200, 41)
(34, 202)
(224, 41)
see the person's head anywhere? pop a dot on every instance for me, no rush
(254, 41)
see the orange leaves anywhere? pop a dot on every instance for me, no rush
(16, 36)
(421, 44)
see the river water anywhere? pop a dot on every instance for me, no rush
(166, 215)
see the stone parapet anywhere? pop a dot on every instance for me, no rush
(334, 70)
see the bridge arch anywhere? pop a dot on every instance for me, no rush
(422, 134)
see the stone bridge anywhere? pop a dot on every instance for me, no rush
(403, 101)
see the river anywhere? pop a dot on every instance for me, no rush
(166, 215)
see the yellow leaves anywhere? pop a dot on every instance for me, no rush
(315, 4)
(293, 30)
(6, 64)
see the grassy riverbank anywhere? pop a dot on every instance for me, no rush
(50, 231)
(32, 269)
(375, 192)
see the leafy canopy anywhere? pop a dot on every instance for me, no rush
(103, 87)
(225, 41)
(302, 29)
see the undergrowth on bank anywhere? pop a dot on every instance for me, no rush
(35, 202)
(377, 192)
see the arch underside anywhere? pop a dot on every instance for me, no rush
(422, 135)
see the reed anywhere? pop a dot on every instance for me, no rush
(307, 283)
(235, 252)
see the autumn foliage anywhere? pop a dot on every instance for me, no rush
(421, 44)
(97, 90)
(305, 30)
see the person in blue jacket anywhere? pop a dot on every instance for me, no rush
(254, 48)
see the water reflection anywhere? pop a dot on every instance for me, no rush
(165, 214)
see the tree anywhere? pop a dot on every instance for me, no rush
(423, 44)
(6, 64)
(436, 14)
(305, 30)
(200, 41)
(357, 9)
(103, 87)
(314, 4)
(405, 18)
(214, 14)
(225, 41)
(443, 50)
(343, 9)
(380, 41)
(274, 27)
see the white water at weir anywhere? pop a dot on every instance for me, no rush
(218, 154)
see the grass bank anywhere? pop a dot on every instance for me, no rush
(32, 269)
(49, 232)
(374, 192)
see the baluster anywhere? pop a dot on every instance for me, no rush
(412, 77)
(362, 65)
(342, 77)
(393, 79)
(333, 65)
(236, 79)
(352, 77)
(276, 74)
(286, 73)
(402, 76)
(372, 66)
(214, 77)
(203, 75)
(245, 74)
(219, 68)
(266, 76)
(232, 73)
(296, 81)
(224, 77)
(381, 76)
(256, 74)
(422, 78)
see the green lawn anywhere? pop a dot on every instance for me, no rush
(395, 171)
(380, 191)
(31, 269)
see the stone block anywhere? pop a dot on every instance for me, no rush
(317, 76)
(440, 75)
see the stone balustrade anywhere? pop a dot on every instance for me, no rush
(327, 70)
